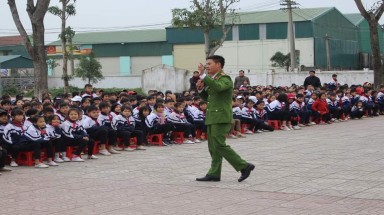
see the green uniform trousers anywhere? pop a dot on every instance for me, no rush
(219, 149)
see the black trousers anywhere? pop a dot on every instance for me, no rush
(304, 116)
(141, 127)
(162, 129)
(127, 135)
(3, 157)
(200, 125)
(80, 143)
(357, 114)
(336, 113)
(100, 134)
(371, 108)
(59, 145)
(279, 115)
(112, 137)
(35, 147)
(256, 124)
(188, 129)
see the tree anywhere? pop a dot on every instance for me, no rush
(207, 15)
(67, 9)
(51, 63)
(281, 60)
(36, 49)
(89, 69)
(373, 16)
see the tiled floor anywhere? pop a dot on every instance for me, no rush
(331, 169)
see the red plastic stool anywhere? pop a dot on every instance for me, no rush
(178, 137)
(122, 145)
(243, 127)
(198, 133)
(96, 149)
(276, 124)
(70, 151)
(25, 158)
(155, 139)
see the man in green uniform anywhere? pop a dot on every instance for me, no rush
(216, 88)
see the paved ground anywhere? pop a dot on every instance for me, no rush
(331, 169)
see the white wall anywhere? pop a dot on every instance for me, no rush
(255, 55)
(110, 66)
(141, 63)
(164, 77)
(108, 82)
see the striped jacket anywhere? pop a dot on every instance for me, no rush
(36, 135)
(121, 123)
(14, 133)
(74, 130)
(177, 118)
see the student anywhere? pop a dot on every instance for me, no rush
(105, 119)
(334, 108)
(369, 105)
(156, 124)
(62, 111)
(124, 124)
(299, 108)
(88, 91)
(334, 84)
(199, 121)
(293, 115)
(344, 102)
(94, 130)
(321, 108)
(151, 101)
(74, 134)
(169, 106)
(38, 138)
(181, 124)
(28, 115)
(115, 109)
(380, 99)
(276, 111)
(6, 105)
(3, 151)
(261, 117)
(54, 133)
(358, 110)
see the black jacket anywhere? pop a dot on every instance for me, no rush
(312, 80)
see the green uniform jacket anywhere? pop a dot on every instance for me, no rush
(218, 94)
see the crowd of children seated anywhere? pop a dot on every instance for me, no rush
(83, 119)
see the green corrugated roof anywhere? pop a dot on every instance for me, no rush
(135, 36)
(15, 61)
(355, 18)
(276, 16)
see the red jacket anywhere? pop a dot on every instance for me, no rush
(321, 106)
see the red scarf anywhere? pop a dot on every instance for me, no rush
(19, 124)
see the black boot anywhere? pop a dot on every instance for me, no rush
(246, 172)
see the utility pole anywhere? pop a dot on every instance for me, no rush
(327, 52)
(291, 33)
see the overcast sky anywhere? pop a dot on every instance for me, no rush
(102, 15)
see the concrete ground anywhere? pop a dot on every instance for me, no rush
(330, 169)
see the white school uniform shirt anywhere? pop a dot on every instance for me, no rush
(237, 111)
(274, 106)
(68, 128)
(120, 120)
(51, 132)
(295, 106)
(10, 129)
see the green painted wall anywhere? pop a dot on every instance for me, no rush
(365, 39)
(277, 30)
(344, 41)
(303, 30)
(249, 32)
(189, 35)
(132, 49)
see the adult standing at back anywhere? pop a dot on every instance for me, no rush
(313, 80)
(239, 80)
(193, 80)
(216, 88)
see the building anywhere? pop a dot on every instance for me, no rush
(365, 50)
(258, 35)
(12, 45)
(121, 53)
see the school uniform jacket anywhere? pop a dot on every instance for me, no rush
(151, 120)
(27, 123)
(332, 105)
(122, 123)
(36, 135)
(74, 130)
(53, 132)
(248, 113)
(61, 117)
(236, 112)
(310, 103)
(167, 111)
(2, 126)
(90, 125)
(261, 114)
(135, 114)
(194, 112)
(273, 106)
(380, 97)
(295, 107)
(105, 119)
(177, 118)
(14, 133)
